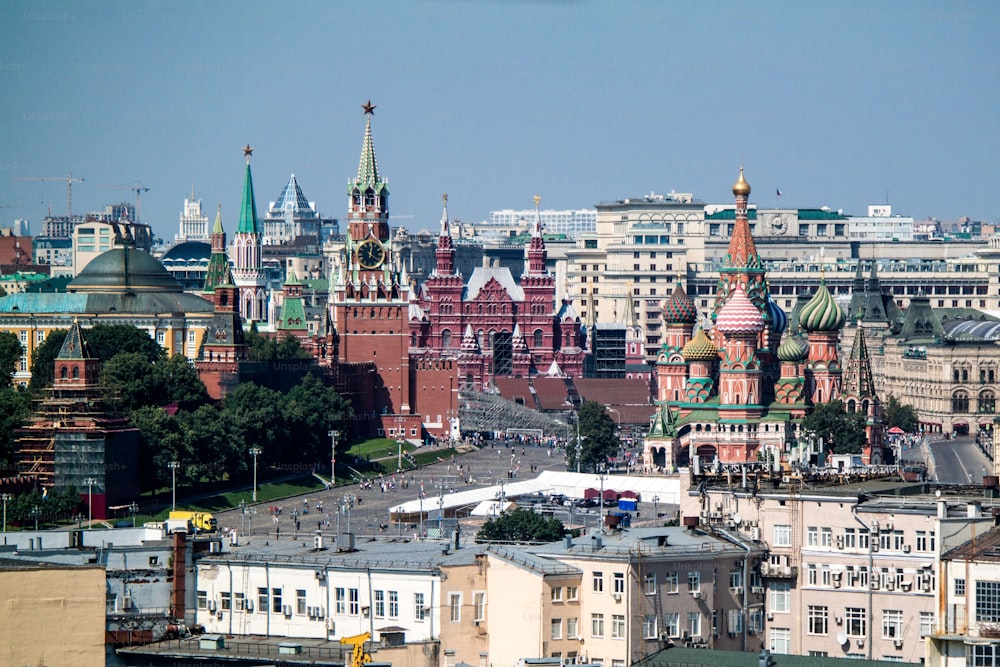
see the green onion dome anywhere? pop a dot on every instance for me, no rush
(821, 313)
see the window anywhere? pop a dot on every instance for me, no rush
(379, 604)
(239, 602)
(618, 626)
(897, 540)
(863, 538)
(598, 582)
(300, 601)
(892, 624)
(353, 606)
(202, 599)
(671, 624)
(226, 601)
(694, 623)
(393, 604)
(572, 628)
(736, 578)
(572, 593)
(670, 582)
(555, 631)
(987, 601)
(855, 621)
(960, 587)
(782, 535)
(812, 536)
(982, 655)
(926, 623)
(597, 625)
(780, 641)
(479, 605)
(619, 581)
(826, 537)
(419, 610)
(261, 600)
(649, 626)
(455, 607)
(694, 581)
(734, 621)
(781, 596)
(341, 600)
(649, 584)
(556, 593)
(276, 600)
(850, 538)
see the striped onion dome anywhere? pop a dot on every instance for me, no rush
(821, 313)
(739, 315)
(779, 320)
(679, 308)
(793, 348)
(700, 348)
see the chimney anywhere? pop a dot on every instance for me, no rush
(318, 541)
(598, 542)
(568, 541)
(974, 510)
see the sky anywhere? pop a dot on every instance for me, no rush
(838, 104)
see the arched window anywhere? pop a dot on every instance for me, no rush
(851, 407)
(76, 372)
(446, 339)
(537, 343)
(987, 402)
(960, 402)
(63, 373)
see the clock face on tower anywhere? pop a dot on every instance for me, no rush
(371, 254)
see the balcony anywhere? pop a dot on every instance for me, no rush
(778, 571)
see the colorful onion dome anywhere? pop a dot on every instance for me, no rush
(821, 313)
(679, 308)
(779, 320)
(741, 187)
(739, 315)
(700, 348)
(793, 348)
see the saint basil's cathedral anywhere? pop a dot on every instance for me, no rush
(733, 391)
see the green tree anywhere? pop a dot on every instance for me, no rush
(310, 411)
(162, 440)
(598, 438)
(130, 382)
(837, 429)
(900, 414)
(10, 356)
(206, 436)
(44, 359)
(521, 526)
(253, 416)
(265, 348)
(179, 381)
(107, 340)
(15, 406)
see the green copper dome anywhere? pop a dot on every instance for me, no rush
(822, 313)
(793, 348)
(124, 268)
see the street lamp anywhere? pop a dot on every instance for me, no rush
(333, 458)
(656, 499)
(90, 481)
(36, 510)
(134, 509)
(173, 465)
(255, 452)
(6, 497)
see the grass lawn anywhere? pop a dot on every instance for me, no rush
(379, 448)
(224, 501)
(423, 458)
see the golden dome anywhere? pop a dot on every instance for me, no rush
(741, 188)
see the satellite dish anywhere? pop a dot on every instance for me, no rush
(737, 519)
(841, 638)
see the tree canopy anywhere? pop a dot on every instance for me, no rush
(264, 348)
(521, 525)
(836, 429)
(15, 406)
(598, 437)
(900, 414)
(10, 356)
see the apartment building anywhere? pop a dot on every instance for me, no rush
(851, 569)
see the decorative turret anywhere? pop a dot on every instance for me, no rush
(248, 267)
(822, 313)
(535, 253)
(76, 366)
(445, 252)
(822, 318)
(794, 348)
(739, 315)
(702, 355)
(679, 308)
(218, 263)
(789, 388)
(858, 394)
(739, 322)
(369, 194)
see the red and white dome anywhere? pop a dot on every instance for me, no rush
(739, 315)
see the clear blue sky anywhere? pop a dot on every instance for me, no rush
(836, 103)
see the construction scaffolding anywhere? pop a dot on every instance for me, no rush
(493, 413)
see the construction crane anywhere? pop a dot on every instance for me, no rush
(138, 189)
(358, 656)
(69, 187)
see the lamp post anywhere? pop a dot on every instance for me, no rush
(333, 458)
(173, 465)
(90, 481)
(36, 510)
(6, 497)
(255, 452)
(656, 499)
(134, 509)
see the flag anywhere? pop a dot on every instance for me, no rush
(779, 192)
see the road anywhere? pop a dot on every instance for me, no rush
(959, 461)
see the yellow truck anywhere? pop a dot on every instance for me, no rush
(201, 522)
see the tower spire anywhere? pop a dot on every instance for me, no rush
(535, 253)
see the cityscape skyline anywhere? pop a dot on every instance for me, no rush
(492, 103)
